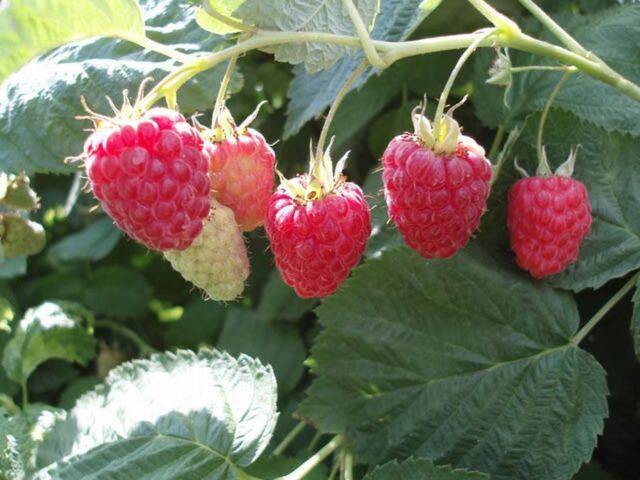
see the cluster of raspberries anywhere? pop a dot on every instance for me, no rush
(190, 194)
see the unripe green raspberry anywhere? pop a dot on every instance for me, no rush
(217, 260)
(20, 236)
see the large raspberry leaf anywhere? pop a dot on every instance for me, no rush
(419, 469)
(311, 93)
(38, 104)
(612, 35)
(93, 243)
(463, 361)
(51, 330)
(175, 415)
(25, 35)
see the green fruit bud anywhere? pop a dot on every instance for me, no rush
(19, 194)
(21, 236)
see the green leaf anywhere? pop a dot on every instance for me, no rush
(30, 28)
(40, 102)
(279, 301)
(612, 35)
(223, 7)
(200, 324)
(15, 446)
(51, 330)
(421, 469)
(635, 321)
(117, 292)
(182, 415)
(93, 243)
(463, 361)
(280, 345)
(311, 94)
(383, 232)
(327, 16)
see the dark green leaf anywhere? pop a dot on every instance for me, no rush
(13, 267)
(200, 324)
(383, 232)
(75, 390)
(30, 28)
(279, 345)
(117, 292)
(421, 469)
(280, 302)
(93, 243)
(51, 330)
(182, 415)
(462, 361)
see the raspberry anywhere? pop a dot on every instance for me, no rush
(241, 168)
(548, 218)
(317, 234)
(217, 261)
(436, 191)
(150, 176)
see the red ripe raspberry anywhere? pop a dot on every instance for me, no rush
(436, 192)
(241, 167)
(318, 225)
(548, 217)
(150, 176)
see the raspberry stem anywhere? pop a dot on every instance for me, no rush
(304, 469)
(437, 119)
(334, 108)
(222, 92)
(600, 314)
(291, 436)
(369, 49)
(545, 113)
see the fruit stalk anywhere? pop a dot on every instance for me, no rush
(314, 461)
(599, 315)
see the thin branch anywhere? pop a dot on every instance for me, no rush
(161, 48)
(334, 108)
(291, 436)
(547, 108)
(554, 28)
(619, 295)
(370, 51)
(314, 461)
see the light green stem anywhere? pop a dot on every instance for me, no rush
(161, 48)
(291, 436)
(454, 74)
(547, 108)
(334, 108)
(619, 295)
(497, 141)
(531, 68)
(304, 469)
(231, 22)
(363, 33)
(348, 467)
(142, 346)
(500, 21)
(554, 28)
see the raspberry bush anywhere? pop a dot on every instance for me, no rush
(438, 287)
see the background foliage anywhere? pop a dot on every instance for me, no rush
(400, 340)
